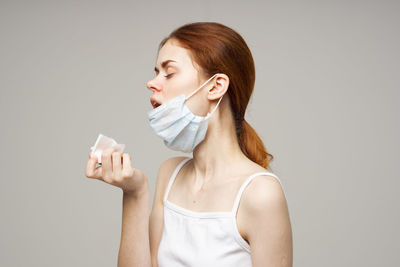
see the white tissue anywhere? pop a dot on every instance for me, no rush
(102, 143)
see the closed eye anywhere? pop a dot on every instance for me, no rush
(169, 75)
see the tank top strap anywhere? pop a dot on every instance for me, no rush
(173, 176)
(245, 183)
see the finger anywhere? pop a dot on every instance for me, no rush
(116, 160)
(126, 162)
(106, 163)
(91, 170)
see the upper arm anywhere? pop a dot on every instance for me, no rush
(156, 222)
(268, 229)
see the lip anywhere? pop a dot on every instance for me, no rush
(154, 102)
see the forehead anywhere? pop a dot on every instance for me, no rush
(172, 50)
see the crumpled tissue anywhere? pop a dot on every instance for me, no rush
(102, 143)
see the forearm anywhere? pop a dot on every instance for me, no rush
(135, 246)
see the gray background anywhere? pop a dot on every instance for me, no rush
(326, 104)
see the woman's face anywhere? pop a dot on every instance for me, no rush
(175, 74)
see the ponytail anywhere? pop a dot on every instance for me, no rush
(252, 145)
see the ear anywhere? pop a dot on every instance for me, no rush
(220, 86)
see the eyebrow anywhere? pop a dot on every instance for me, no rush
(163, 64)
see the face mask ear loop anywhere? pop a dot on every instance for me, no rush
(215, 106)
(200, 86)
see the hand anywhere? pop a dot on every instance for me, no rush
(116, 169)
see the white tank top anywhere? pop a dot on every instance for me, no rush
(199, 239)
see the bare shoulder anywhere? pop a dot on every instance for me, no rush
(267, 225)
(172, 162)
(169, 165)
(263, 191)
(165, 171)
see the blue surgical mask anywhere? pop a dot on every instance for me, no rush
(180, 129)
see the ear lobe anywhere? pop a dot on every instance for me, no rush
(215, 93)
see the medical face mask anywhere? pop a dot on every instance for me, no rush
(180, 129)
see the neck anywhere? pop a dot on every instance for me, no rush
(219, 149)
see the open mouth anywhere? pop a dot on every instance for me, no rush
(154, 103)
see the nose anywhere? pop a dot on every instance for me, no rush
(153, 85)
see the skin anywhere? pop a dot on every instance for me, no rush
(262, 218)
(204, 183)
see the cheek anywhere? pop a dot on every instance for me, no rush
(176, 88)
(183, 82)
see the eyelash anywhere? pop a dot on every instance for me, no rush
(169, 75)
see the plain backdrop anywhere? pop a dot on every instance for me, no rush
(326, 104)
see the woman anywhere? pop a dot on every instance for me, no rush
(204, 78)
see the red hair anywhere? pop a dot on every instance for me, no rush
(217, 48)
